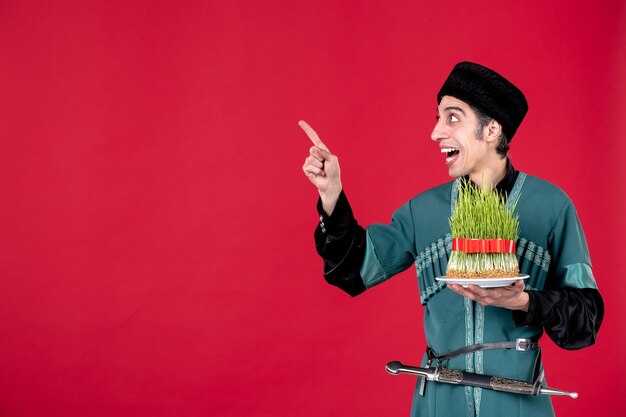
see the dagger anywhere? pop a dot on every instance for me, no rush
(451, 376)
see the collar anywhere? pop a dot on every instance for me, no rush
(505, 185)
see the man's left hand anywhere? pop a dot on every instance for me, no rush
(512, 297)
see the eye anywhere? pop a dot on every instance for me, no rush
(453, 118)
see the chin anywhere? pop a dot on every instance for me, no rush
(455, 173)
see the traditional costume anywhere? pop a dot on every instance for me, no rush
(552, 250)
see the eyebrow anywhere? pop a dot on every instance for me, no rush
(455, 108)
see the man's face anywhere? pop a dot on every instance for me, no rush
(455, 132)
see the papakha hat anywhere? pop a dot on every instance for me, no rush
(489, 92)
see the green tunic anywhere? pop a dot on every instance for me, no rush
(551, 249)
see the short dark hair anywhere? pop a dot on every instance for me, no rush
(503, 144)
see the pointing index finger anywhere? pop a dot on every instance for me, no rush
(312, 135)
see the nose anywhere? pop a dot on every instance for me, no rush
(438, 131)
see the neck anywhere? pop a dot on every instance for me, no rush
(489, 176)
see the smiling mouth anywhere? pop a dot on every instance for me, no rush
(450, 153)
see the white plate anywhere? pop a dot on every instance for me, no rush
(482, 282)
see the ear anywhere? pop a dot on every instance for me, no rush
(494, 130)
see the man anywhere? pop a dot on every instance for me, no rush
(479, 112)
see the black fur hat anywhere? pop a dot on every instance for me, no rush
(489, 92)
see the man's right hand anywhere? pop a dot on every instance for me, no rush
(322, 168)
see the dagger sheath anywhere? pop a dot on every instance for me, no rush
(451, 376)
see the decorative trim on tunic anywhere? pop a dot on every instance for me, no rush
(478, 359)
(454, 194)
(469, 359)
(517, 189)
(435, 254)
(534, 253)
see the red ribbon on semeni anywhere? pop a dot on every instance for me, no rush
(466, 245)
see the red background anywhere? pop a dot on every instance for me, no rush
(156, 252)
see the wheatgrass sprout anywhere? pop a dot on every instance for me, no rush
(483, 215)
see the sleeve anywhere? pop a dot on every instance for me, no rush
(340, 241)
(570, 316)
(389, 248)
(570, 308)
